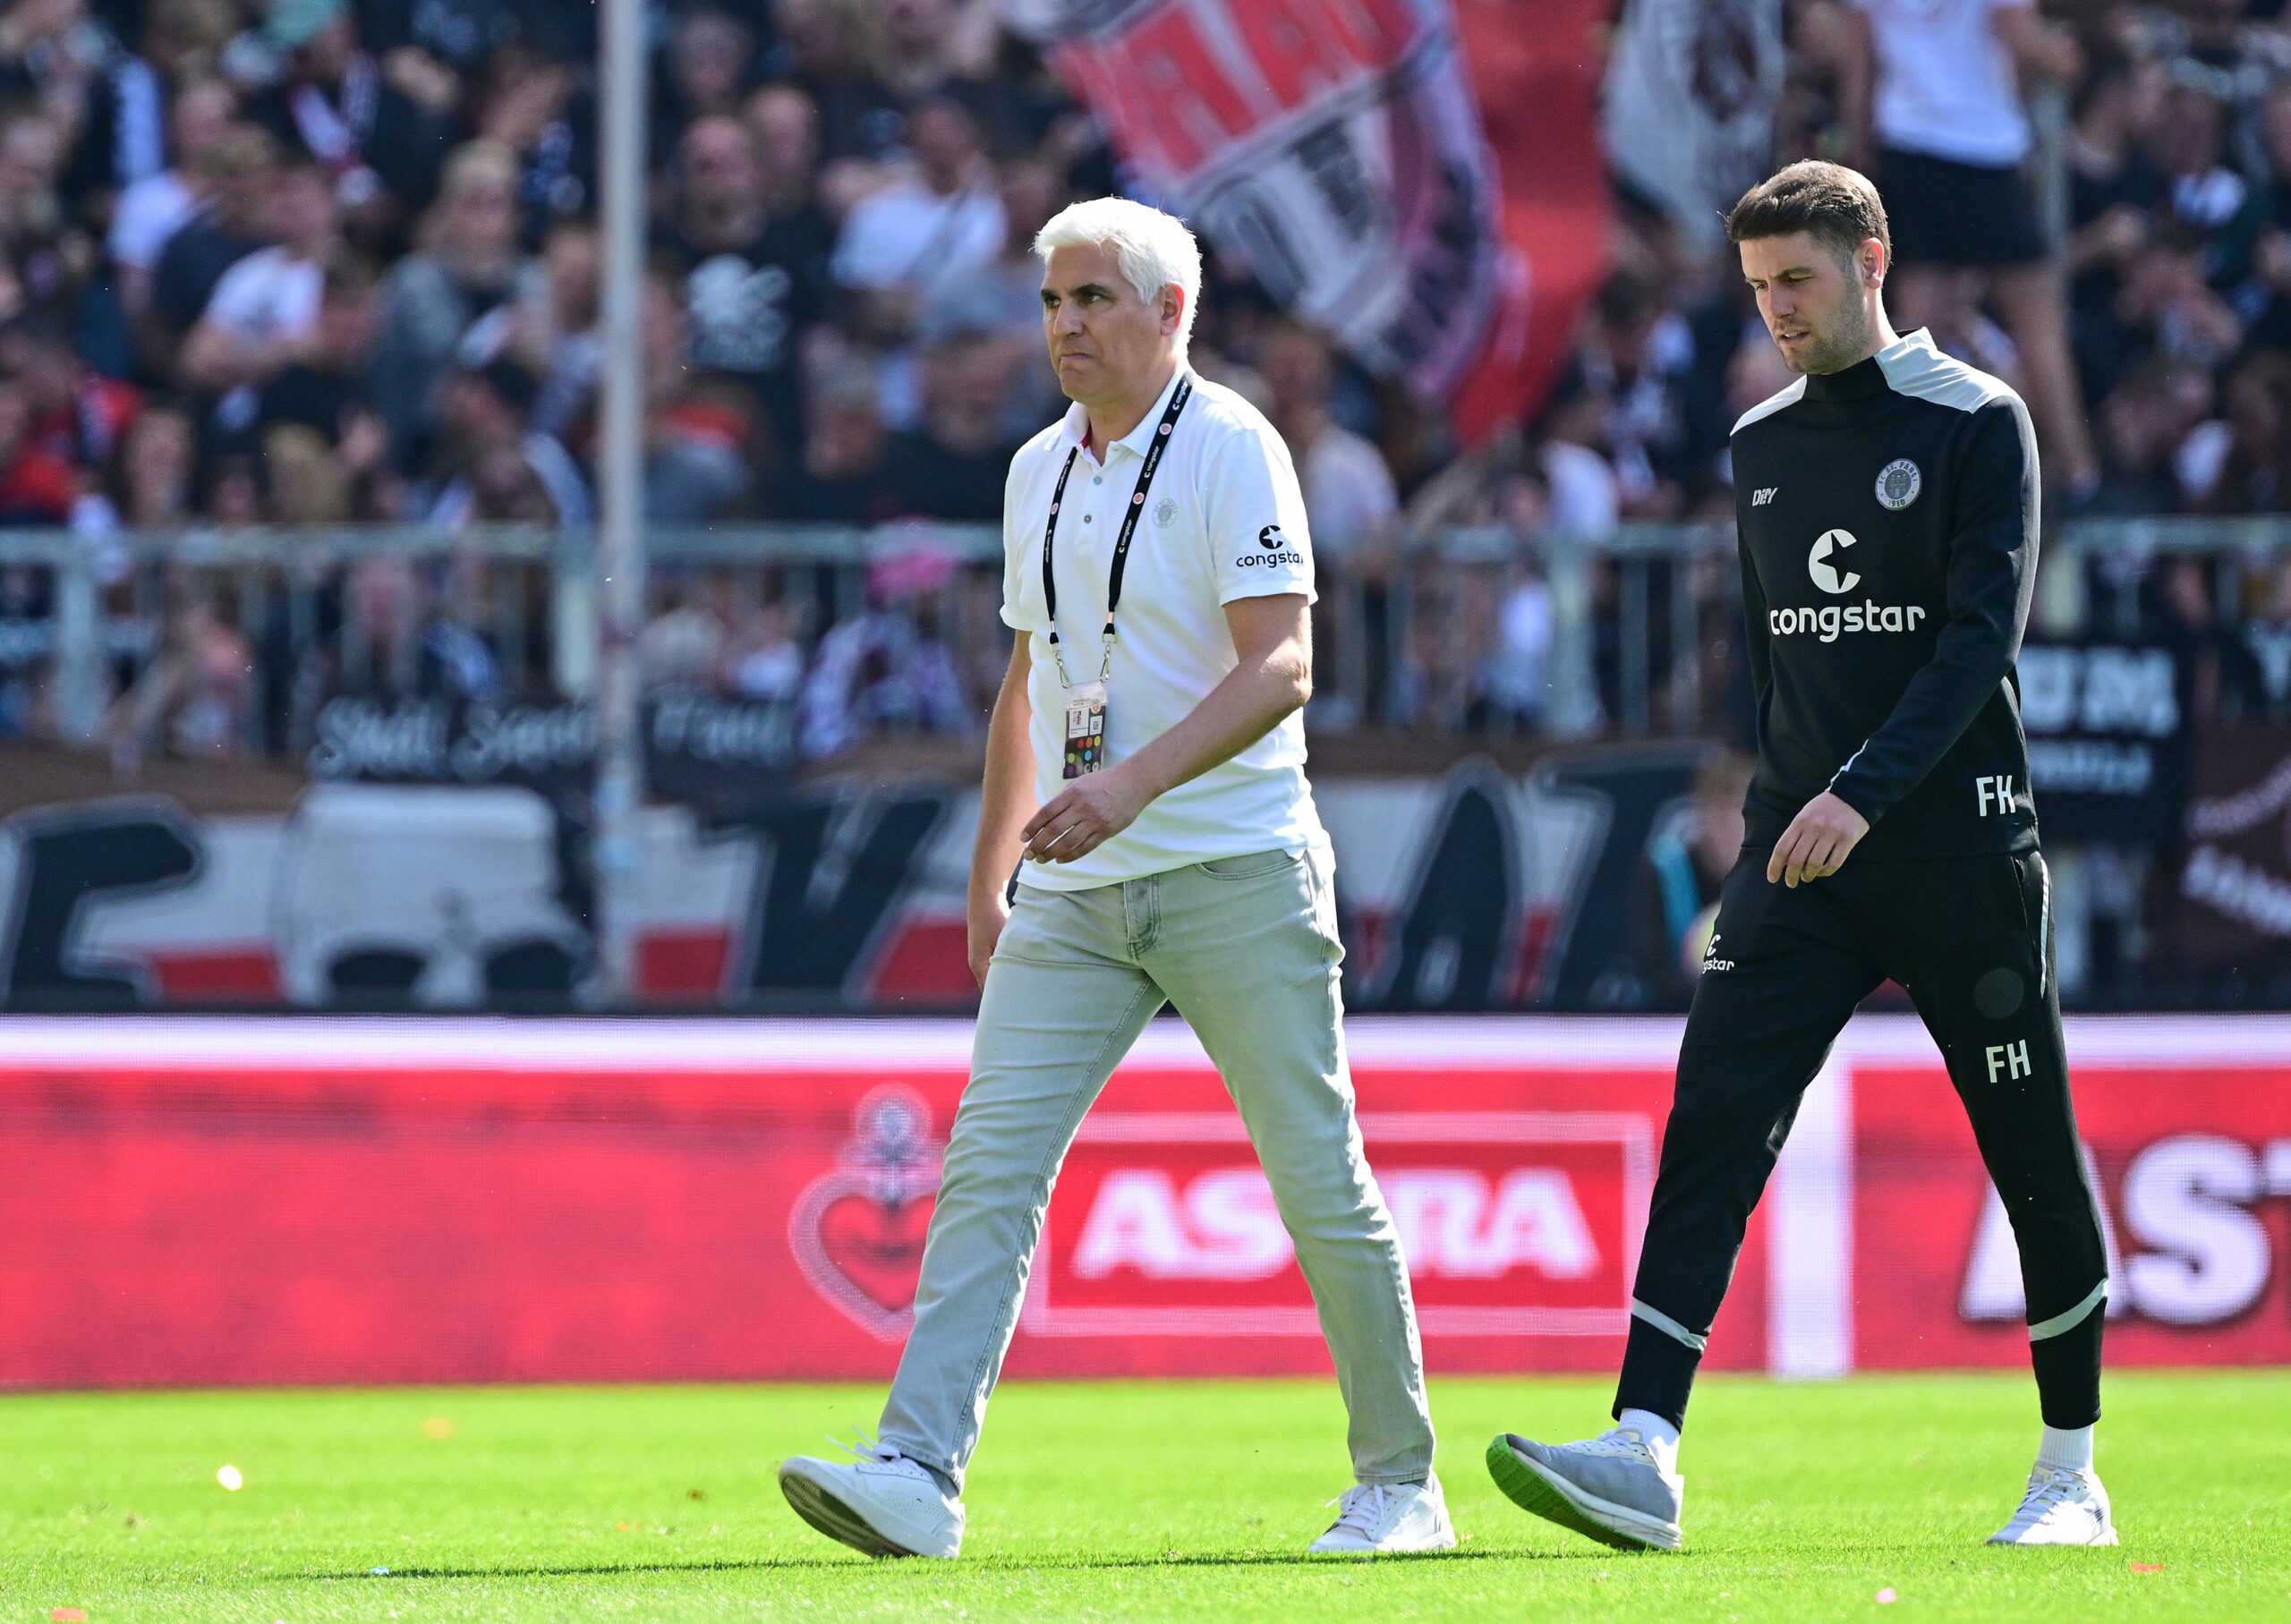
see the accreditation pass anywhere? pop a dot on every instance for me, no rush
(1086, 729)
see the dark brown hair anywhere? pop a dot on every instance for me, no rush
(1837, 204)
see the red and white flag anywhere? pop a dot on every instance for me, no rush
(1421, 179)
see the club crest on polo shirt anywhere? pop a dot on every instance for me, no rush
(1165, 511)
(1898, 483)
(1278, 551)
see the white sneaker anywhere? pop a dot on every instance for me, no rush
(881, 1503)
(2064, 1507)
(1610, 1487)
(1385, 1518)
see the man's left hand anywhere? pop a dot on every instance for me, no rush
(1084, 816)
(1816, 842)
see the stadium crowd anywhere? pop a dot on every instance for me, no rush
(317, 261)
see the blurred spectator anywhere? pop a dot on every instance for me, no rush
(1582, 493)
(317, 408)
(154, 208)
(2114, 188)
(1515, 678)
(437, 46)
(1558, 475)
(109, 103)
(711, 63)
(754, 250)
(41, 254)
(379, 148)
(929, 44)
(231, 180)
(844, 328)
(455, 644)
(945, 219)
(828, 49)
(467, 294)
(1446, 639)
(2264, 297)
(77, 414)
(2204, 194)
(1636, 356)
(264, 310)
(694, 470)
(682, 645)
(536, 108)
(36, 487)
(840, 478)
(762, 660)
(324, 389)
(1003, 296)
(150, 482)
(955, 465)
(1946, 120)
(2242, 465)
(233, 490)
(569, 337)
(183, 39)
(1350, 499)
(191, 700)
(886, 669)
(1353, 509)
(396, 642)
(498, 469)
(2144, 423)
(2166, 304)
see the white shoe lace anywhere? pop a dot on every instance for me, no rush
(2049, 1486)
(1360, 1508)
(1615, 1440)
(864, 1448)
(872, 1452)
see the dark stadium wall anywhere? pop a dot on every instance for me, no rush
(1470, 892)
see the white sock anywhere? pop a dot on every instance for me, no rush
(2069, 1448)
(1662, 1437)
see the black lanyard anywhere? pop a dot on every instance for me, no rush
(1121, 545)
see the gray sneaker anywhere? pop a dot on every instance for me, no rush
(1609, 1487)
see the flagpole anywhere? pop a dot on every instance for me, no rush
(620, 542)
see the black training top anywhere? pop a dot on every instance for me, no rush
(1888, 522)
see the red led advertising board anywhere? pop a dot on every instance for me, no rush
(310, 1201)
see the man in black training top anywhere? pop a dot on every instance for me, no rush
(1887, 508)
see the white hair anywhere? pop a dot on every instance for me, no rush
(1154, 250)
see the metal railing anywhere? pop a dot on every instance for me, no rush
(1633, 615)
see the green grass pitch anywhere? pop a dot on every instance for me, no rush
(1111, 1501)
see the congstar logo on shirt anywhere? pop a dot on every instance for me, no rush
(1278, 551)
(1832, 621)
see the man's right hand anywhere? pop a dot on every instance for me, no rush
(987, 916)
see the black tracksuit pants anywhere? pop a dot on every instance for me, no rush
(1967, 937)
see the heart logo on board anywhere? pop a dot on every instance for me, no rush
(876, 1246)
(858, 1229)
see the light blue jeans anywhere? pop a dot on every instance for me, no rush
(1247, 949)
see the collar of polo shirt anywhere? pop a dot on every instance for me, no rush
(1077, 422)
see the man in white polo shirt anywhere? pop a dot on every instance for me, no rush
(1146, 778)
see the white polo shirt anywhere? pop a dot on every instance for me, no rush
(1224, 520)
